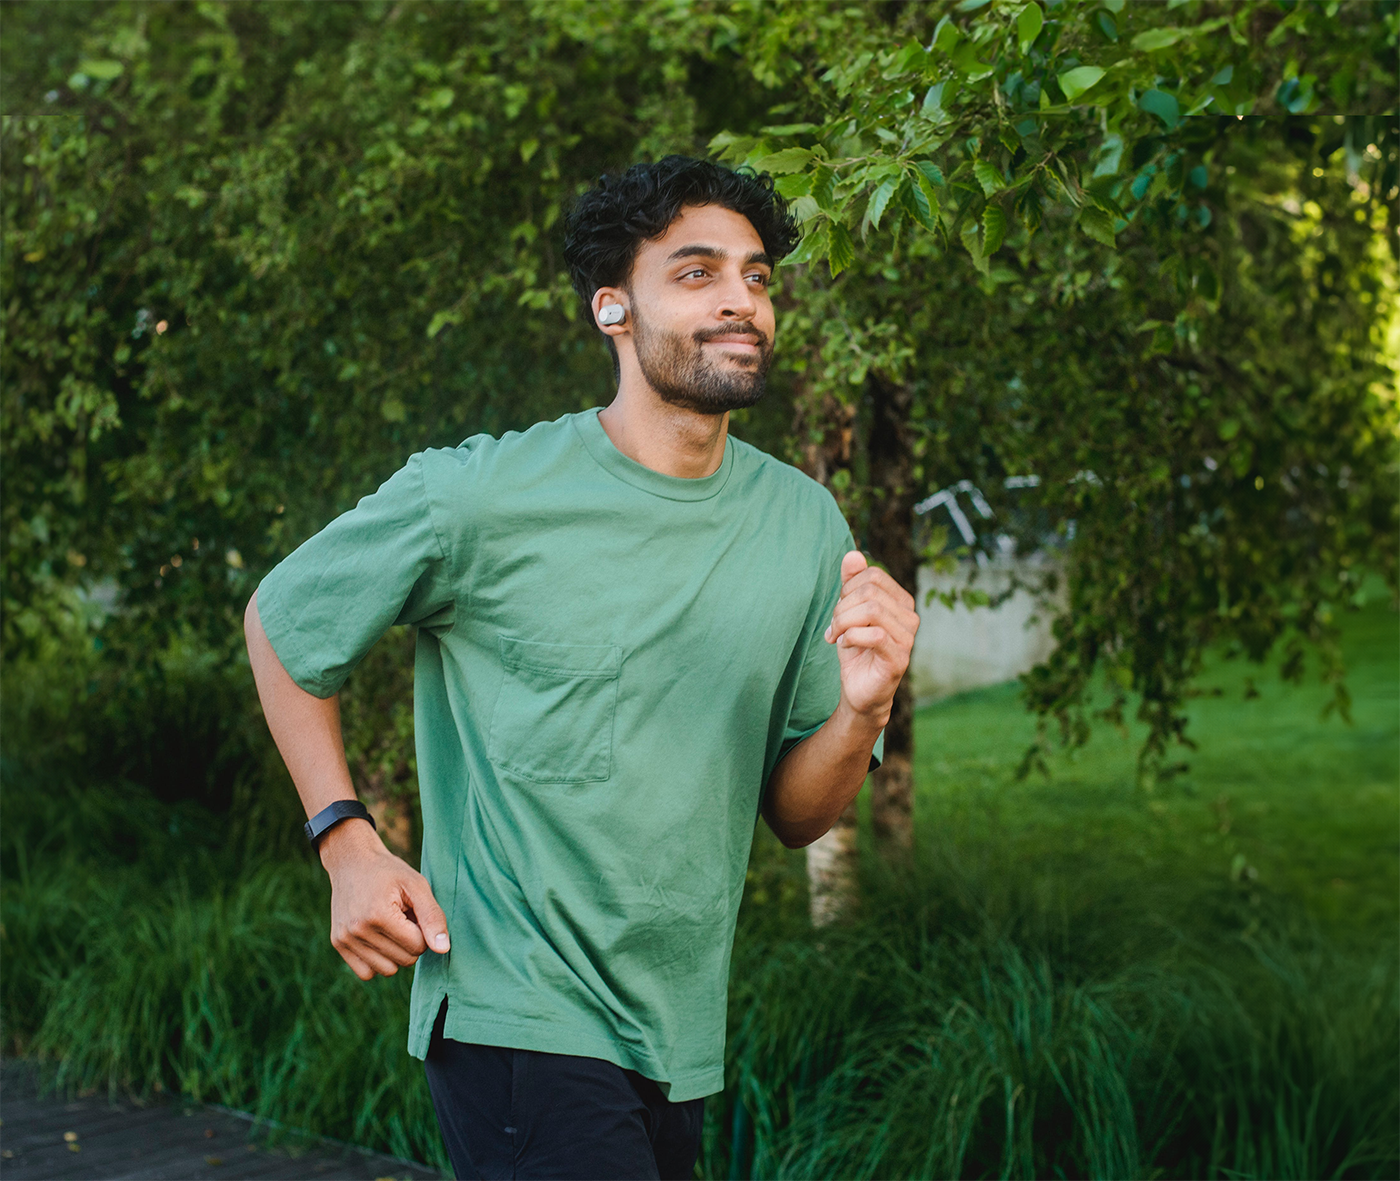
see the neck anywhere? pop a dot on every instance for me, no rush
(666, 438)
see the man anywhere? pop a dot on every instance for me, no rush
(635, 633)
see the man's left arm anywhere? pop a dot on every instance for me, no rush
(873, 629)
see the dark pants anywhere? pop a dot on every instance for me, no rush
(524, 1114)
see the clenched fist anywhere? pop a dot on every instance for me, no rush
(383, 913)
(873, 629)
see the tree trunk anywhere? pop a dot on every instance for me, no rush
(891, 539)
(826, 428)
(831, 870)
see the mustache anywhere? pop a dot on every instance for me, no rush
(746, 329)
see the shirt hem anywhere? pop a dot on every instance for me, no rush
(547, 1037)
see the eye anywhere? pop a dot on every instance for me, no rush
(692, 274)
(760, 278)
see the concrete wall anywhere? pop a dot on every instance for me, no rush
(960, 648)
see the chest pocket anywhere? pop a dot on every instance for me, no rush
(553, 721)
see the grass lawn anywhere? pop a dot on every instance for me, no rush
(1074, 978)
(1280, 809)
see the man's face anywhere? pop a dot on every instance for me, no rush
(701, 319)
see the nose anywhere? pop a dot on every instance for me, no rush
(736, 299)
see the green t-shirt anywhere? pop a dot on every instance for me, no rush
(610, 663)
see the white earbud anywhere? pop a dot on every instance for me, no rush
(614, 313)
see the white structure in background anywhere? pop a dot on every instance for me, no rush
(963, 648)
(956, 648)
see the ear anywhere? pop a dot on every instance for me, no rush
(611, 297)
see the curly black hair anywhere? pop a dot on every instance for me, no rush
(609, 222)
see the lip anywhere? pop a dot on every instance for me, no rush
(741, 344)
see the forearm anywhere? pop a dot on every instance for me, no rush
(306, 730)
(815, 781)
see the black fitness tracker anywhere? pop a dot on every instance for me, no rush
(316, 827)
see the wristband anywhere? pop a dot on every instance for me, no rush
(316, 827)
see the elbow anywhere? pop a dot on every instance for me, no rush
(800, 826)
(794, 835)
(801, 838)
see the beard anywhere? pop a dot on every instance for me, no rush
(677, 368)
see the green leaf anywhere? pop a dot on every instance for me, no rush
(988, 177)
(1029, 24)
(441, 319)
(788, 160)
(796, 185)
(931, 170)
(1097, 224)
(1207, 282)
(1100, 193)
(790, 129)
(1295, 94)
(1075, 82)
(974, 248)
(727, 139)
(824, 188)
(969, 64)
(923, 201)
(1110, 156)
(946, 36)
(933, 103)
(881, 200)
(813, 245)
(993, 228)
(916, 205)
(1229, 428)
(939, 98)
(1106, 25)
(911, 58)
(730, 147)
(1028, 205)
(841, 251)
(1163, 105)
(104, 69)
(1151, 40)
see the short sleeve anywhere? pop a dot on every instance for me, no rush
(380, 564)
(819, 684)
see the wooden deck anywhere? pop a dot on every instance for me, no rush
(51, 1137)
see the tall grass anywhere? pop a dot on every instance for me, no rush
(1069, 981)
(920, 1040)
(214, 979)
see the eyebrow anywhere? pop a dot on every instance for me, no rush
(699, 250)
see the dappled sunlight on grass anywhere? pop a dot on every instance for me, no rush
(1279, 808)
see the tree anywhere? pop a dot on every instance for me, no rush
(256, 254)
(1085, 262)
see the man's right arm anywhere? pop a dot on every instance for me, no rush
(383, 913)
